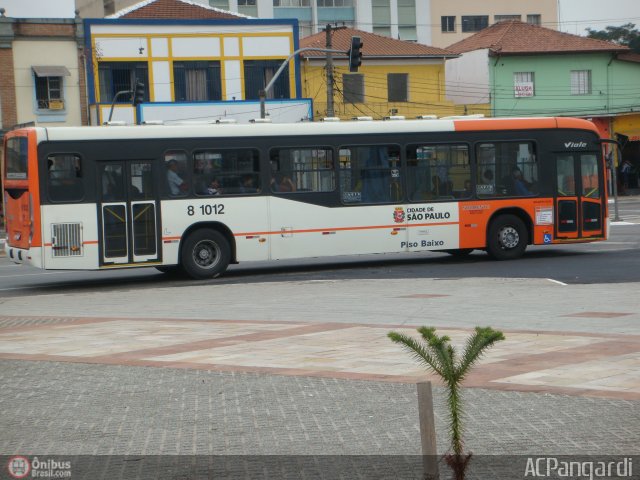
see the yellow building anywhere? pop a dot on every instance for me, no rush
(396, 78)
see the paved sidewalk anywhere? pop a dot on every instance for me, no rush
(304, 368)
(605, 365)
(65, 408)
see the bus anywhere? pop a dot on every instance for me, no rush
(195, 198)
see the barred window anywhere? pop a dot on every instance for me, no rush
(118, 76)
(49, 92)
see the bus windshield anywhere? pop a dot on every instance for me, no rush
(16, 156)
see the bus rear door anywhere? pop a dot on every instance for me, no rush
(580, 198)
(128, 208)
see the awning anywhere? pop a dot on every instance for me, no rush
(51, 71)
(632, 133)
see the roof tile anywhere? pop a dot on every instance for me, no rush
(175, 9)
(517, 38)
(373, 45)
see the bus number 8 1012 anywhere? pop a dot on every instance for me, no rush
(216, 209)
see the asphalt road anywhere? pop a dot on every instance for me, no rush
(614, 261)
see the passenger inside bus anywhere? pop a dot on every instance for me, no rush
(214, 187)
(176, 183)
(467, 192)
(282, 183)
(202, 176)
(520, 187)
(376, 174)
(248, 184)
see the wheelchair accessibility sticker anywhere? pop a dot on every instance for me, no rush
(547, 238)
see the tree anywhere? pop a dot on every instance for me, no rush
(438, 355)
(625, 34)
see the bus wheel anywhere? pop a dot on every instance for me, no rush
(507, 238)
(459, 252)
(205, 254)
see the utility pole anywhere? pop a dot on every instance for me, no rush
(329, 67)
(262, 93)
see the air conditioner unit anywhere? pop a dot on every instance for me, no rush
(56, 105)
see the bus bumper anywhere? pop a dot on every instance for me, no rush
(32, 256)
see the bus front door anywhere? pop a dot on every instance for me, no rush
(579, 196)
(128, 209)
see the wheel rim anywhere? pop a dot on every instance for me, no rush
(509, 238)
(206, 254)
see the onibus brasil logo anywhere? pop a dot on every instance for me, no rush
(20, 467)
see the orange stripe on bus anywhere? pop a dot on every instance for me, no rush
(342, 229)
(88, 242)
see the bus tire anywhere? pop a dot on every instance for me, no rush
(205, 254)
(459, 252)
(507, 238)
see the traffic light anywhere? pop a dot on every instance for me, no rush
(138, 94)
(355, 54)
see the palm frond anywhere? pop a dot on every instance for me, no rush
(418, 350)
(438, 345)
(476, 346)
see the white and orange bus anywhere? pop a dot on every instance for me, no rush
(199, 197)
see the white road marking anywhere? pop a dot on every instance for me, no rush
(557, 281)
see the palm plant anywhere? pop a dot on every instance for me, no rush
(438, 355)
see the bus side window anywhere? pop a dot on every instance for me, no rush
(226, 172)
(506, 169)
(64, 177)
(302, 170)
(370, 174)
(438, 172)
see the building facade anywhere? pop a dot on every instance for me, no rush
(193, 64)
(455, 20)
(551, 74)
(396, 78)
(42, 77)
(430, 22)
